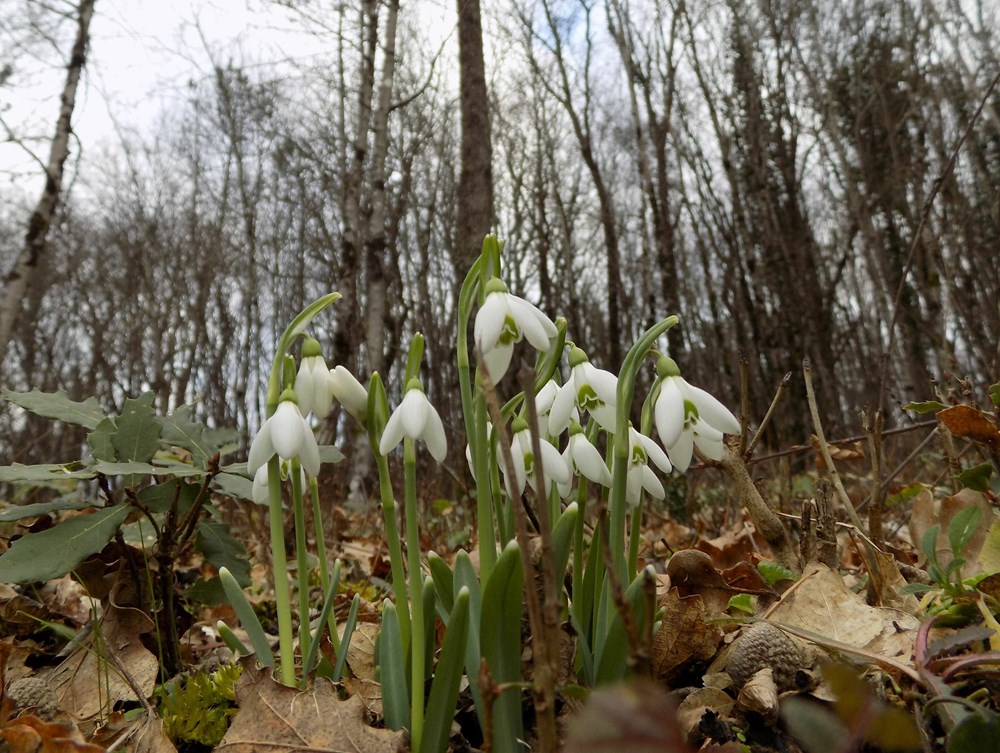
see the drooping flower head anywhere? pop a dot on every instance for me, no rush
(312, 381)
(286, 434)
(553, 465)
(640, 476)
(415, 418)
(589, 389)
(687, 417)
(504, 320)
(581, 456)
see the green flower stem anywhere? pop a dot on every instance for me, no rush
(282, 598)
(620, 451)
(645, 427)
(296, 328)
(484, 498)
(301, 558)
(324, 567)
(417, 645)
(395, 550)
(592, 430)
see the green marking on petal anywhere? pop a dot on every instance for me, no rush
(510, 332)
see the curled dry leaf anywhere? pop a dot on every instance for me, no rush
(693, 708)
(273, 718)
(29, 734)
(685, 634)
(967, 422)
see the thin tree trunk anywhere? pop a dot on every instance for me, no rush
(23, 274)
(475, 187)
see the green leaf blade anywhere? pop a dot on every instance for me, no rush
(58, 405)
(54, 552)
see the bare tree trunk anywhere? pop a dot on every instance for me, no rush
(18, 280)
(475, 186)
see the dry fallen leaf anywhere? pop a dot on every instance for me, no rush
(361, 652)
(273, 718)
(684, 635)
(927, 512)
(965, 421)
(822, 603)
(29, 734)
(694, 706)
(87, 683)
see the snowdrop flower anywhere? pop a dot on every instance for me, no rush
(588, 388)
(640, 476)
(543, 408)
(586, 458)
(312, 381)
(504, 320)
(348, 391)
(687, 417)
(415, 418)
(554, 467)
(287, 435)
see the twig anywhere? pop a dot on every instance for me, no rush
(825, 449)
(744, 403)
(782, 388)
(873, 427)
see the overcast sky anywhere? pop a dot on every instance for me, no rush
(142, 55)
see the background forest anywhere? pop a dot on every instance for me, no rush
(763, 169)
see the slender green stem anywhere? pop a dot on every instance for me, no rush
(301, 558)
(282, 597)
(626, 390)
(417, 651)
(395, 550)
(484, 498)
(324, 567)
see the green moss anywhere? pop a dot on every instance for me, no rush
(197, 709)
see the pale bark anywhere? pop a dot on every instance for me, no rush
(26, 270)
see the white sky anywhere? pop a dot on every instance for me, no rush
(142, 55)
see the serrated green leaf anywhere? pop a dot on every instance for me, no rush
(181, 430)
(234, 486)
(19, 512)
(138, 430)
(928, 406)
(43, 473)
(101, 446)
(54, 552)
(977, 477)
(222, 550)
(59, 406)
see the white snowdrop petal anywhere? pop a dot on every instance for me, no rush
(710, 448)
(605, 383)
(651, 483)
(606, 417)
(706, 431)
(348, 391)
(392, 434)
(656, 454)
(260, 491)
(554, 465)
(588, 460)
(713, 412)
(413, 412)
(668, 412)
(434, 436)
(545, 396)
(490, 320)
(287, 429)
(680, 454)
(309, 453)
(261, 449)
(532, 322)
(562, 408)
(497, 361)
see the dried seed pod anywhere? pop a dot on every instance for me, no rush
(763, 646)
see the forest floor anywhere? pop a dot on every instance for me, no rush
(745, 657)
